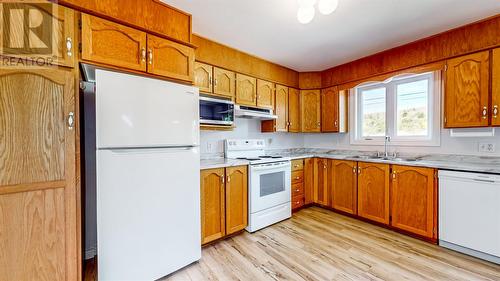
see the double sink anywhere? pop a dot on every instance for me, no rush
(385, 158)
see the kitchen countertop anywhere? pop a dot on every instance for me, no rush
(439, 161)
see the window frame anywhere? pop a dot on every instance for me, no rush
(434, 109)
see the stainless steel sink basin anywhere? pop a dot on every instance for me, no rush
(383, 158)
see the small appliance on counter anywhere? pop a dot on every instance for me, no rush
(269, 182)
(215, 111)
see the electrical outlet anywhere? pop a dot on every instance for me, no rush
(486, 147)
(210, 147)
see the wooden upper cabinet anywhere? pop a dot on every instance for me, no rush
(413, 200)
(236, 199)
(38, 196)
(310, 104)
(344, 186)
(293, 110)
(61, 45)
(281, 108)
(113, 44)
(246, 90)
(170, 59)
(373, 191)
(212, 193)
(467, 91)
(224, 82)
(203, 77)
(265, 94)
(321, 194)
(495, 89)
(330, 110)
(309, 180)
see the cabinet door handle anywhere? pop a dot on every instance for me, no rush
(394, 175)
(335, 124)
(69, 46)
(71, 120)
(297, 178)
(143, 54)
(354, 170)
(228, 179)
(222, 179)
(485, 112)
(210, 81)
(150, 54)
(495, 111)
(359, 171)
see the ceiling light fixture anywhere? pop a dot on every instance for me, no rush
(306, 11)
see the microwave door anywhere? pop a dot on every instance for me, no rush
(216, 112)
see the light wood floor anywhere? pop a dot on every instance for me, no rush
(317, 244)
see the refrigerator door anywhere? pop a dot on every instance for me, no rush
(148, 212)
(134, 111)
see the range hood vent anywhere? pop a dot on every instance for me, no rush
(248, 112)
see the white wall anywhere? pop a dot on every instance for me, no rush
(212, 141)
(449, 145)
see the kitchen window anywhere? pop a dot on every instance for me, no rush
(405, 108)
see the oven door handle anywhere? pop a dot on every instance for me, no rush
(270, 167)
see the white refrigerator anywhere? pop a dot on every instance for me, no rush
(148, 166)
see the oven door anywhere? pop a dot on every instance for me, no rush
(270, 185)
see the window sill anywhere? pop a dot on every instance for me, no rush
(414, 143)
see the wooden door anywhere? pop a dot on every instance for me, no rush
(413, 200)
(309, 180)
(57, 23)
(467, 91)
(293, 110)
(246, 90)
(236, 199)
(373, 191)
(321, 194)
(310, 104)
(344, 186)
(213, 216)
(203, 77)
(38, 198)
(225, 82)
(113, 44)
(281, 109)
(330, 110)
(495, 89)
(170, 59)
(265, 94)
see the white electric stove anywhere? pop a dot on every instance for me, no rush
(269, 182)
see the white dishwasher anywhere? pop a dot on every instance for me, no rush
(469, 213)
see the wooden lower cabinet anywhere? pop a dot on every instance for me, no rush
(414, 200)
(373, 191)
(344, 186)
(236, 199)
(39, 223)
(298, 186)
(309, 180)
(224, 202)
(212, 195)
(321, 194)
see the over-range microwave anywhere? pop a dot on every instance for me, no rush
(215, 111)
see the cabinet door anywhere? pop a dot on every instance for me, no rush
(265, 94)
(293, 110)
(212, 205)
(38, 198)
(236, 199)
(310, 104)
(170, 59)
(321, 193)
(309, 180)
(373, 191)
(203, 77)
(344, 186)
(495, 89)
(413, 200)
(330, 110)
(246, 90)
(281, 109)
(225, 82)
(55, 40)
(467, 91)
(114, 44)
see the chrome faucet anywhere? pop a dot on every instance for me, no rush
(387, 140)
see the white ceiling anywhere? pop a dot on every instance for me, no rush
(269, 28)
